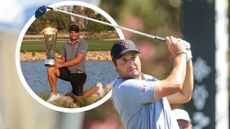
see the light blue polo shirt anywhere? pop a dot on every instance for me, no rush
(133, 99)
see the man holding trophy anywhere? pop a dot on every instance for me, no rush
(70, 66)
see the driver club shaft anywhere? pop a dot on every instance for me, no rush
(111, 25)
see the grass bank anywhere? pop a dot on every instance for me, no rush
(39, 45)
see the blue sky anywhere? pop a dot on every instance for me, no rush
(15, 13)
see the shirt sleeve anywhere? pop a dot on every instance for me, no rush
(137, 92)
(83, 48)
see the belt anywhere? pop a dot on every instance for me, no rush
(76, 71)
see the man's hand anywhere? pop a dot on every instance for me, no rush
(175, 45)
(59, 64)
(188, 49)
(185, 43)
(59, 59)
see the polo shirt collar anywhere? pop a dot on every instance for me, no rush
(73, 42)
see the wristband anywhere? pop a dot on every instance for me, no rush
(178, 53)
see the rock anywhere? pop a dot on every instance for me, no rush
(65, 101)
(68, 102)
(91, 55)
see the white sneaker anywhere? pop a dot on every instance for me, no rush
(100, 90)
(53, 97)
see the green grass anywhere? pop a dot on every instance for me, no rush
(39, 46)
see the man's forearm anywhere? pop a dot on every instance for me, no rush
(188, 82)
(177, 74)
(184, 95)
(174, 82)
(60, 59)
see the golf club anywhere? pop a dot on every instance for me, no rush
(42, 10)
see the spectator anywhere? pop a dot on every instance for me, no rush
(182, 118)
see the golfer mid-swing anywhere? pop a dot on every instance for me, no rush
(143, 101)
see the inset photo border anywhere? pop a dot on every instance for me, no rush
(24, 80)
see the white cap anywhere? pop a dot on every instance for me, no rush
(181, 114)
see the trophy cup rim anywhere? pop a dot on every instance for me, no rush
(49, 30)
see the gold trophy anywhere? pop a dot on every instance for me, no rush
(50, 36)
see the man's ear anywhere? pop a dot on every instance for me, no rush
(139, 54)
(114, 62)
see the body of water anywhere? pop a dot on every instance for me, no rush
(35, 74)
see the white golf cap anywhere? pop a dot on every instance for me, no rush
(181, 114)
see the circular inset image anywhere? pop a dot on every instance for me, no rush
(63, 56)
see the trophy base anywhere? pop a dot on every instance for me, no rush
(49, 62)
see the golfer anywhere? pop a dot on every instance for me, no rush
(143, 101)
(70, 66)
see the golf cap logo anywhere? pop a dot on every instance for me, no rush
(124, 44)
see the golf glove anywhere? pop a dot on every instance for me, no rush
(188, 49)
(185, 43)
(188, 54)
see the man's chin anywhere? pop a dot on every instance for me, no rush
(73, 39)
(134, 75)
